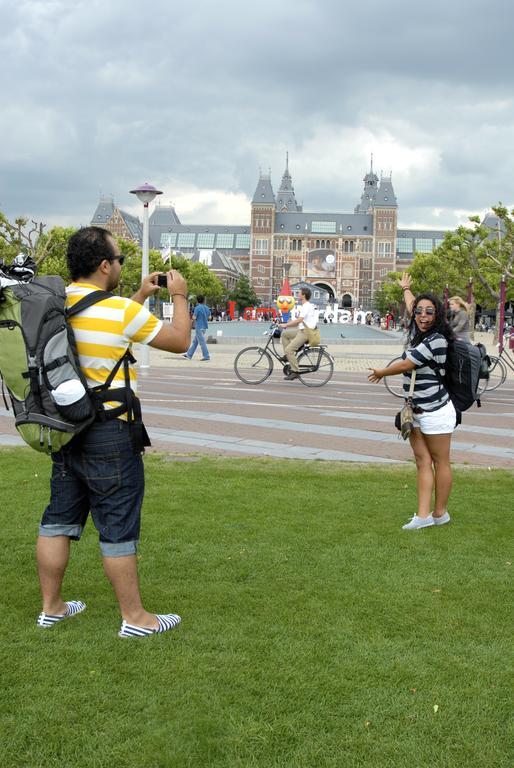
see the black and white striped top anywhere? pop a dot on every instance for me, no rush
(429, 393)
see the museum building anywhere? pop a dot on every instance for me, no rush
(346, 255)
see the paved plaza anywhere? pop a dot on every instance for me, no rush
(191, 407)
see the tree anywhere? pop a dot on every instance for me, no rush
(15, 238)
(476, 251)
(51, 252)
(243, 294)
(433, 272)
(482, 254)
(202, 281)
(47, 249)
(389, 296)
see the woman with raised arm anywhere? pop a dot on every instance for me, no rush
(434, 415)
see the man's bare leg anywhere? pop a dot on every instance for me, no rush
(52, 553)
(122, 573)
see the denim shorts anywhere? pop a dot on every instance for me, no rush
(98, 473)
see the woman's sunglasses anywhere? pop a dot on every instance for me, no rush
(422, 311)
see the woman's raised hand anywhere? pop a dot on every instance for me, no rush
(405, 281)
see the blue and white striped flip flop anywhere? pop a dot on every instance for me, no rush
(166, 621)
(46, 621)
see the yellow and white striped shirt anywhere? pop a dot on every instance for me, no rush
(104, 331)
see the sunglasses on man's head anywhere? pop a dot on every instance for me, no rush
(121, 259)
(424, 311)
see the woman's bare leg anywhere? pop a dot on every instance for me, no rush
(439, 447)
(425, 472)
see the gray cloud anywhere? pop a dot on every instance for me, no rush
(102, 96)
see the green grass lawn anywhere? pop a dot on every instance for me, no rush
(315, 631)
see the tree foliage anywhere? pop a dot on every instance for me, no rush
(243, 294)
(482, 254)
(200, 280)
(51, 252)
(389, 296)
(475, 252)
(48, 249)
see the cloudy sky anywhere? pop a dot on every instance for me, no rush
(99, 96)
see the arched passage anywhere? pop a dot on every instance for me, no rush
(328, 288)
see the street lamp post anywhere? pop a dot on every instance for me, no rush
(145, 193)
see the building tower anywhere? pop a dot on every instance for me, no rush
(261, 239)
(370, 191)
(385, 222)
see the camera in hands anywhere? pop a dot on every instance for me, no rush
(162, 281)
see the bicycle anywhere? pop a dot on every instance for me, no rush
(253, 365)
(497, 374)
(394, 384)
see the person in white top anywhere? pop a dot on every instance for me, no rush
(293, 333)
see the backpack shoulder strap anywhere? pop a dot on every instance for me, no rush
(438, 368)
(87, 301)
(84, 303)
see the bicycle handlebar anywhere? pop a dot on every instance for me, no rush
(269, 331)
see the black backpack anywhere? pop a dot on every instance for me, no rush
(485, 363)
(462, 373)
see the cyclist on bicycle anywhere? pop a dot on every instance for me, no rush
(298, 332)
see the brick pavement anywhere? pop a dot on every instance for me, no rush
(348, 355)
(195, 407)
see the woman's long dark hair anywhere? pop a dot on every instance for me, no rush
(440, 324)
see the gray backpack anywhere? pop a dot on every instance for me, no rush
(40, 368)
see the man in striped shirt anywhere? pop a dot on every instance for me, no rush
(101, 471)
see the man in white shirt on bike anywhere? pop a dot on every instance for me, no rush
(293, 332)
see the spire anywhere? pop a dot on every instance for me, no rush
(286, 201)
(370, 190)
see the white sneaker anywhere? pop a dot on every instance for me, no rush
(443, 519)
(418, 522)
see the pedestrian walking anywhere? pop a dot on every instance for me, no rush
(201, 317)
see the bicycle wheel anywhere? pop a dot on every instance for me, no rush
(394, 384)
(497, 375)
(253, 365)
(314, 356)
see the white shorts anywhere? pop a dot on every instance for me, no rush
(440, 422)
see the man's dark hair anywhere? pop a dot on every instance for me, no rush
(440, 324)
(87, 248)
(306, 292)
(200, 298)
